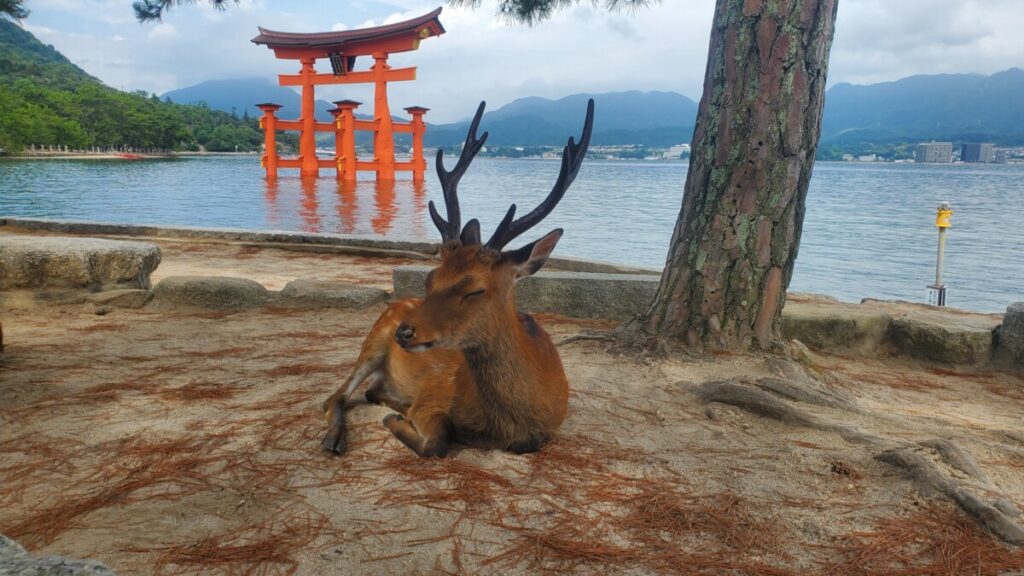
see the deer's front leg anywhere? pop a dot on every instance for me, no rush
(334, 407)
(424, 434)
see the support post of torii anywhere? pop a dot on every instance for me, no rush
(269, 124)
(345, 139)
(419, 164)
(343, 49)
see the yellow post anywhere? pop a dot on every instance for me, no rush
(937, 292)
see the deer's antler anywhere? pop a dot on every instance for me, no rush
(450, 181)
(572, 158)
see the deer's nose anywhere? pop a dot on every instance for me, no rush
(404, 334)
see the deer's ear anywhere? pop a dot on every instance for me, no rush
(530, 258)
(471, 233)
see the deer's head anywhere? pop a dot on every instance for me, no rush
(470, 295)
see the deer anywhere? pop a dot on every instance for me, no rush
(463, 364)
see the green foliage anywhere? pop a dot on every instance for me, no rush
(46, 100)
(532, 12)
(528, 12)
(13, 9)
(148, 10)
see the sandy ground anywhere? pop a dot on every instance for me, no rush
(189, 443)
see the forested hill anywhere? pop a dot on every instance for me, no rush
(22, 56)
(957, 107)
(46, 100)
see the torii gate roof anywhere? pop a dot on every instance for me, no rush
(397, 37)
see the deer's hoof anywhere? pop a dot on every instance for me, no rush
(334, 441)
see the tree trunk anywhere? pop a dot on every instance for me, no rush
(734, 244)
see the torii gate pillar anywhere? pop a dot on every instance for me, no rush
(307, 137)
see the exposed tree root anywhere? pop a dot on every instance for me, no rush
(957, 458)
(930, 477)
(757, 402)
(762, 399)
(579, 337)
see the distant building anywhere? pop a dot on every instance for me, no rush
(1002, 156)
(678, 151)
(867, 158)
(973, 152)
(938, 152)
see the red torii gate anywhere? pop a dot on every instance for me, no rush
(343, 48)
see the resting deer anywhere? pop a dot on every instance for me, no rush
(462, 364)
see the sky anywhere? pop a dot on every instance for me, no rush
(582, 49)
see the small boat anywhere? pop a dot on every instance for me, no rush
(127, 156)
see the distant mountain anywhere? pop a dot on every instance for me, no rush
(957, 107)
(647, 118)
(241, 95)
(45, 100)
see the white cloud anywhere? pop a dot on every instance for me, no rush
(663, 47)
(162, 31)
(881, 40)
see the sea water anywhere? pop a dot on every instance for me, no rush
(868, 232)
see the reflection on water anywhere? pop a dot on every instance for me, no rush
(348, 207)
(383, 204)
(868, 231)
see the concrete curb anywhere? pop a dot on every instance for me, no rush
(575, 294)
(372, 246)
(224, 234)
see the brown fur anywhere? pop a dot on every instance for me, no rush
(487, 376)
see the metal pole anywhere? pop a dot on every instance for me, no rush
(942, 256)
(937, 291)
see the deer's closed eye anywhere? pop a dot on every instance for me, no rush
(473, 294)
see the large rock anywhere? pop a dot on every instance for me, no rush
(305, 293)
(41, 262)
(1011, 337)
(947, 339)
(575, 294)
(209, 293)
(835, 327)
(14, 561)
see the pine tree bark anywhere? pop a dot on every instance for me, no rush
(735, 241)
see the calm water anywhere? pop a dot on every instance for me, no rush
(868, 232)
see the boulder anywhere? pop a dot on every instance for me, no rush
(14, 561)
(574, 294)
(947, 339)
(1011, 337)
(209, 293)
(42, 262)
(306, 293)
(835, 327)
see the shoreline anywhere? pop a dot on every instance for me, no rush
(123, 155)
